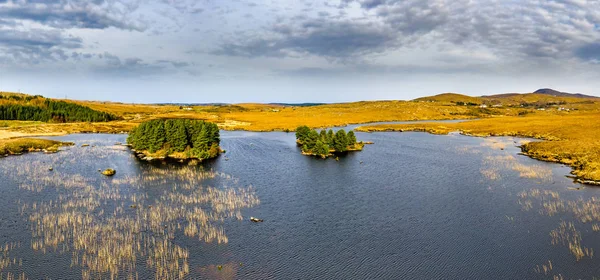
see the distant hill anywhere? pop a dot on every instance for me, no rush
(297, 104)
(552, 92)
(452, 98)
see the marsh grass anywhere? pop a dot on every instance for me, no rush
(22, 145)
(8, 262)
(107, 225)
(585, 211)
(545, 268)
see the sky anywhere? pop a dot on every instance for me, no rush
(202, 51)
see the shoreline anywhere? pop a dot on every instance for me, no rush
(524, 151)
(6, 135)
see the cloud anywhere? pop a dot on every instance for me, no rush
(96, 14)
(589, 52)
(319, 37)
(35, 46)
(538, 30)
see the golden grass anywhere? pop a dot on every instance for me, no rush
(22, 145)
(573, 135)
(67, 128)
(451, 98)
(573, 138)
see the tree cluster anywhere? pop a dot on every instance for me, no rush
(52, 111)
(197, 138)
(324, 142)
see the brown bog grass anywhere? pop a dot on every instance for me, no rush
(22, 145)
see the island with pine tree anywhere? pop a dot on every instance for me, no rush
(178, 139)
(326, 143)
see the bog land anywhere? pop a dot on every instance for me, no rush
(569, 125)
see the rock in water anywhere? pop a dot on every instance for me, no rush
(85, 145)
(109, 172)
(256, 220)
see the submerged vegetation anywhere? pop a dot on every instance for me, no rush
(325, 143)
(113, 229)
(176, 138)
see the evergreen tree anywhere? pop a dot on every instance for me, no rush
(330, 137)
(156, 137)
(340, 141)
(321, 148)
(323, 136)
(178, 137)
(351, 138)
(213, 133)
(203, 140)
(302, 133)
(311, 139)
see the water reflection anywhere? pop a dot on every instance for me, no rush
(113, 227)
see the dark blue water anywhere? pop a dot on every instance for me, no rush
(411, 206)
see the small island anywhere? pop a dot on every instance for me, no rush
(326, 143)
(179, 139)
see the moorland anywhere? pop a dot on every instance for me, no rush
(568, 124)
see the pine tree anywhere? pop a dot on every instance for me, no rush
(157, 136)
(311, 139)
(323, 136)
(340, 141)
(330, 137)
(351, 138)
(213, 133)
(321, 149)
(178, 137)
(302, 133)
(203, 139)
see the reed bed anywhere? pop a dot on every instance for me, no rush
(545, 268)
(584, 211)
(8, 262)
(109, 227)
(566, 234)
(531, 171)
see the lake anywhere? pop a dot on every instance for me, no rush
(411, 206)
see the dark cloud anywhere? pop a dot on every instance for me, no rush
(409, 17)
(128, 67)
(96, 14)
(540, 30)
(35, 46)
(37, 38)
(319, 37)
(589, 52)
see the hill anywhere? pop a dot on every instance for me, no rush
(527, 99)
(549, 91)
(22, 107)
(451, 98)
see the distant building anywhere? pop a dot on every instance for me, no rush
(482, 106)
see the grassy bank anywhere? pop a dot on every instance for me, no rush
(23, 145)
(572, 139)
